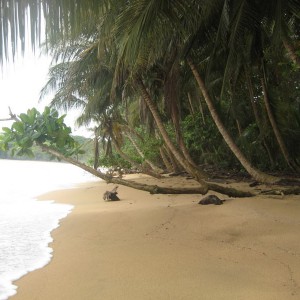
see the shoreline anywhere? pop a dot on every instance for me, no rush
(168, 247)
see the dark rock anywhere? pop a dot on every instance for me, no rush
(211, 199)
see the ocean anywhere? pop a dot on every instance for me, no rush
(25, 223)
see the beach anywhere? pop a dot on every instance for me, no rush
(169, 247)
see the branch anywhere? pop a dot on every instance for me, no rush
(7, 119)
(12, 117)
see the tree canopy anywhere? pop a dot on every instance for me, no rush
(212, 82)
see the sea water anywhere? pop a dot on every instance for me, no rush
(25, 223)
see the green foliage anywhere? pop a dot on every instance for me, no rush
(205, 142)
(114, 161)
(35, 128)
(101, 46)
(149, 145)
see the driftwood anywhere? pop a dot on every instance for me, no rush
(111, 195)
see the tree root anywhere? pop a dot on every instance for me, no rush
(291, 191)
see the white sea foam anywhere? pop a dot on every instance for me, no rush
(25, 224)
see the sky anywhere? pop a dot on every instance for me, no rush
(20, 85)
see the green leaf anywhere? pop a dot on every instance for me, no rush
(26, 142)
(6, 130)
(46, 112)
(24, 118)
(19, 127)
(32, 113)
(36, 135)
(3, 146)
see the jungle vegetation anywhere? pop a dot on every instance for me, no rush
(172, 86)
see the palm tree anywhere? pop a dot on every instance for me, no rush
(242, 20)
(255, 173)
(142, 35)
(273, 122)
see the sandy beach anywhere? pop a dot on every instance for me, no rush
(163, 247)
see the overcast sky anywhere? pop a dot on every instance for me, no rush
(20, 86)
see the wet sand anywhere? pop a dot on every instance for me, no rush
(162, 247)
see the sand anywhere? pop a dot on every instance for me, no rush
(162, 247)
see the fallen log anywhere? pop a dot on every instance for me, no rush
(152, 189)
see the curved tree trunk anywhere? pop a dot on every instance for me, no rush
(185, 151)
(291, 52)
(140, 152)
(256, 116)
(171, 92)
(255, 173)
(96, 151)
(176, 167)
(275, 128)
(195, 172)
(164, 157)
(138, 166)
(153, 189)
(192, 110)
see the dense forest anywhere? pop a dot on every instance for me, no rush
(172, 86)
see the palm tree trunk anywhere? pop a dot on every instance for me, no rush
(132, 162)
(201, 110)
(164, 157)
(291, 52)
(140, 152)
(275, 128)
(171, 98)
(195, 172)
(256, 115)
(96, 151)
(255, 173)
(239, 128)
(176, 167)
(192, 110)
(180, 141)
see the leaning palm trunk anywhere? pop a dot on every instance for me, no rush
(181, 143)
(256, 116)
(195, 172)
(185, 151)
(171, 98)
(255, 173)
(132, 162)
(275, 128)
(140, 152)
(291, 52)
(96, 151)
(176, 167)
(165, 160)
